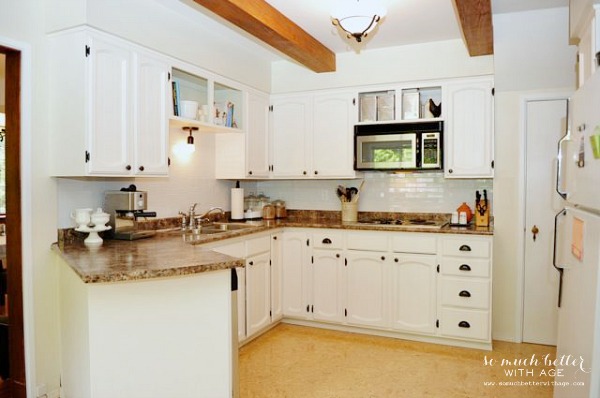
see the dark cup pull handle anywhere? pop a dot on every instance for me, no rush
(465, 248)
(464, 324)
(464, 293)
(326, 241)
(464, 267)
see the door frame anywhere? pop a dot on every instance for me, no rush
(522, 190)
(20, 53)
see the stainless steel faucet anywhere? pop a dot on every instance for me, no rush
(192, 217)
(204, 217)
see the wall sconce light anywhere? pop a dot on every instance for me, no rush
(190, 147)
(357, 17)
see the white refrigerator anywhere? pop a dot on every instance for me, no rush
(577, 248)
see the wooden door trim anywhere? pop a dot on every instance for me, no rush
(16, 382)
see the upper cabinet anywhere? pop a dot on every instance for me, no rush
(108, 108)
(311, 135)
(468, 129)
(584, 29)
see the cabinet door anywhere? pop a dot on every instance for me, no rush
(291, 127)
(366, 289)
(258, 298)
(468, 135)
(327, 299)
(257, 133)
(294, 275)
(276, 283)
(333, 124)
(241, 303)
(109, 111)
(414, 293)
(151, 122)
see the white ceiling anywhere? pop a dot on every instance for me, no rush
(407, 21)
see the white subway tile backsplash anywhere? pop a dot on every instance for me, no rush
(392, 192)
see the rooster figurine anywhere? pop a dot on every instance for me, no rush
(436, 110)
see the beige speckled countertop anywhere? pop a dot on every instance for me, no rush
(171, 253)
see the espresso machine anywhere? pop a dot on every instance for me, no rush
(125, 207)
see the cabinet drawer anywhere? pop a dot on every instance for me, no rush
(466, 267)
(466, 247)
(328, 240)
(470, 324)
(468, 293)
(370, 241)
(414, 243)
(258, 245)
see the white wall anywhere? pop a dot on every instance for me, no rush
(437, 60)
(531, 55)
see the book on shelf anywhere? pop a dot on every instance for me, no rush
(176, 100)
(223, 113)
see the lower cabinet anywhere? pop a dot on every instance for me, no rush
(327, 285)
(367, 297)
(414, 292)
(418, 284)
(258, 297)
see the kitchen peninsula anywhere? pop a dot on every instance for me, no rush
(151, 318)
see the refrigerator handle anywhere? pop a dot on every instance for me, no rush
(560, 269)
(559, 156)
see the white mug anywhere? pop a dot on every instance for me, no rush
(81, 216)
(462, 218)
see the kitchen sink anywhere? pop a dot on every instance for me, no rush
(209, 229)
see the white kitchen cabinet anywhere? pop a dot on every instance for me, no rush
(306, 128)
(276, 275)
(108, 107)
(414, 292)
(469, 128)
(290, 131)
(258, 288)
(367, 296)
(257, 135)
(464, 289)
(295, 246)
(333, 130)
(327, 285)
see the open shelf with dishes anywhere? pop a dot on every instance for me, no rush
(204, 103)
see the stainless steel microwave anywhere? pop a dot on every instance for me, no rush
(399, 146)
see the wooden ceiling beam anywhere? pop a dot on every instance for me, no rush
(261, 20)
(475, 18)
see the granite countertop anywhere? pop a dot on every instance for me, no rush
(162, 256)
(171, 253)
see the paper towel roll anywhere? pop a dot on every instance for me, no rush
(237, 204)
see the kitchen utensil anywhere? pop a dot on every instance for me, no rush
(342, 193)
(482, 211)
(352, 194)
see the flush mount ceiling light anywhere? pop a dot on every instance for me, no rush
(357, 18)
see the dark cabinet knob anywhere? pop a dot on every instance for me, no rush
(383, 258)
(464, 324)
(274, 238)
(465, 248)
(251, 263)
(304, 172)
(464, 267)
(326, 241)
(450, 171)
(464, 293)
(128, 167)
(337, 255)
(141, 168)
(316, 172)
(396, 260)
(250, 172)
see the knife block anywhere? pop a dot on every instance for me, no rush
(482, 220)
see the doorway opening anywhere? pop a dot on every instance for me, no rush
(12, 345)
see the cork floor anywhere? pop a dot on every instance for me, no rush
(294, 361)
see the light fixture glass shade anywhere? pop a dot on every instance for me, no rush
(357, 17)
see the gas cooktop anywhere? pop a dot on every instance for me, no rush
(408, 223)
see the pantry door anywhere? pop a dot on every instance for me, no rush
(545, 125)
